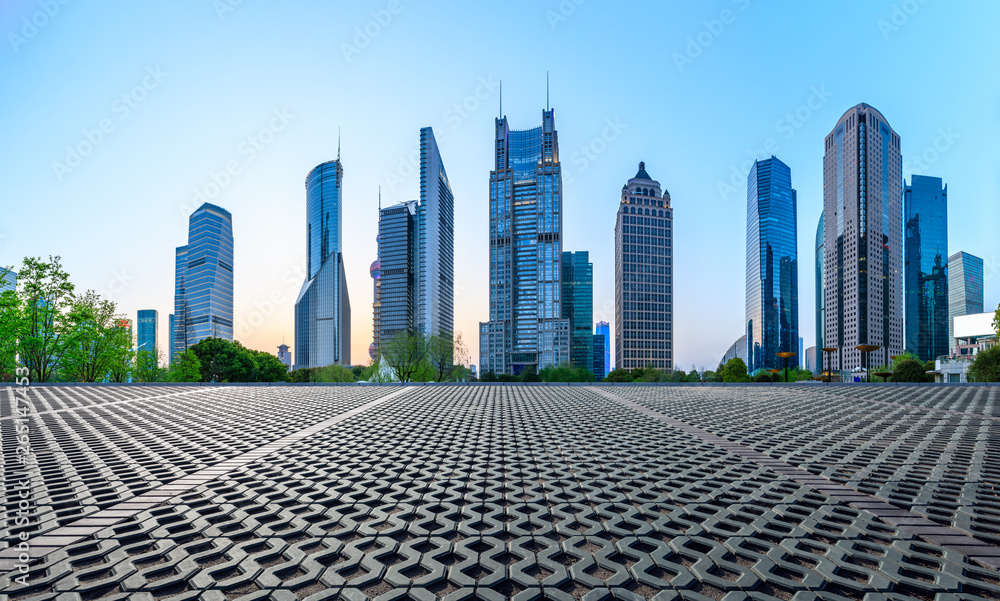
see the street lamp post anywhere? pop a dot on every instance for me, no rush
(865, 350)
(826, 351)
(785, 355)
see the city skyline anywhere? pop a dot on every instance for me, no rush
(274, 135)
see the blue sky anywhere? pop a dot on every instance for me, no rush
(189, 89)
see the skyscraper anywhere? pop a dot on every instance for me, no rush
(925, 267)
(643, 279)
(146, 322)
(863, 246)
(398, 258)
(772, 284)
(170, 335)
(436, 281)
(526, 329)
(603, 328)
(598, 345)
(578, 307)
(284, 355)
(820, 284)
(203, 284)
(965, 290)
(375, 271)
(323, 308)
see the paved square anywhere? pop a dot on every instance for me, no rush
(492, 492)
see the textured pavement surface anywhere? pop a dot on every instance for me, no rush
(493, 492)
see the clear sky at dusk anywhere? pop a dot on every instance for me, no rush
(168, 96)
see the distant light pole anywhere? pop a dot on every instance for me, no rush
(785, 355)
(827, 350)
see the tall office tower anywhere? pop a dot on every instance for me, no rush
(375, 271)
(965, 290)
(863, 239)
(603, 328)
(925, 267)
(146, 320)
(203, 284)
(644, 312)
(810, 360)
(9, 281)
(578, 307)
(526, 329)
(323, 309)
(598, 344)
(170, 335)
(436, 253)
(820, 284)
(398, 246)
(772, 285)
(284, 355)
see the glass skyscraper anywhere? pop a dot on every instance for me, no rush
(772, 281)
(965, 289)
(644, 312)
(863, 239)
(146, 324)
(925, 264)
(578, 307)
(398, 259)
(603, 328)
(436, 239)
(323, 308)
(820, 283)
(203, 284)
(170, 334)
(526, 330)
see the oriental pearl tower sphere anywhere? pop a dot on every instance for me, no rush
(375, 271)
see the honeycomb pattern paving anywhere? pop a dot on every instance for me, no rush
(490, 492)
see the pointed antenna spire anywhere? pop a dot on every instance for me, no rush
(338, 143)
(501, 99)
(547, 107)
(380, 200)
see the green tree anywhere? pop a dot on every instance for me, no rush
(488, 376)
(224, 361)
(11, 327)
(46, 332)
(147, 366)
(566, 373)
(735, 371)
(406, 353)
(333, 373)
(186, 368)
(268, 368)
(619, 374)
(99, 348)
(693, 375)
(909, 370)
(986, 367)
(711, 376)
(996, 321)
(443, 352)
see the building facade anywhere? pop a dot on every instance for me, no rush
(203, 283)
(526, 329)
(820, 284)
(603, 328)
(375, 271)
(809, 362)
(436, 252)
(643, 277)
(323, 307)
(863, 265)
(772, 265)
(965, 290)
(925, 267)
(598, 346)
(8, 281)
(170, 335)
(285, 355)
(399, 262)
(578, 307)
(147, 322)
(738, 350)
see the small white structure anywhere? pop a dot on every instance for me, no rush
(973, 333)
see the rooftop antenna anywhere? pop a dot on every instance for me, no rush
(547, 107)
(501, 99)
(380, 200)
(338, 143)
